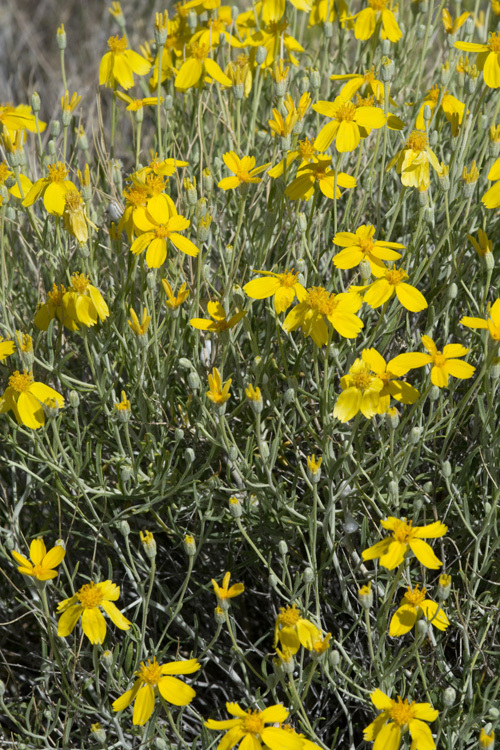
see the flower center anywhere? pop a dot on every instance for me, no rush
(494, 43)
(377, 4)
(117, 45)
(366, 245)
(395, 277)
(252, 723)
(362, 380)
(369, 76)
(306, 149)
(73, 201)
(57, 172)
(415, 596)
(20, 382)
(56, 295)
(161, 232)
(439, 360)
(345, 111)
(433, 94)
(402, 712)
(150, 672)
(199, 51)
(403, 531)
(90, 595)
(321, 300)
(80, 282)
(417, 140)
(37, 569)
(156, 183)
(289, 616)
(4, 172)
(288, 279)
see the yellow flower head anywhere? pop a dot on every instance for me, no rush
(42, 562)
(405, 537)
(219, 320)
(175, 301)
(487, 740)
(294, 631)
(152, 677)
(25, 397)
(284, 287)
(119, 64)
(488, 58)
(412, 162)
(393, 281)
(244, 171)
(414, 605)
(68, 105)
(124, 404)
(250, 726)
(443, 363)
(52, 188)
(218, 393)
(198, 65)
(360, 393)
(225, 592)
(396, 717)
(139, 328)
(87, 604)
(320, 306)
(491, 323)
(83, 303)
(452, 26)
(314, 464)
(253, 394)
(349, 123)
(366, 21)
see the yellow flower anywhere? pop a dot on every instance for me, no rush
(367, 20)
(225, 591)
(198, 65)
(412, 162)
(414, 605)
(360, 393)
(217, 26)
(338, 309)
(491, 198)
(6, 348)
(450, 105)
(140, 329)
(362, 246)
(397, 716)
(14, 119)
(52, 188)
(153, 678)
(491, 324)
(26, 398)
(319, 12)
(158, 226)
(68, 105)
(471, 177)
(398, 389)
(293, 631)
(250, 726)
(119, 64)
(244, 170)
(74, 216)
(393, 281)
(495, 7)
(305, 151)
(283, 286)
(405, 537)
(220, 322)
(452, 26)
(314, 464)
(87, 604)
(273, 36)
(54, 308)
(134, 105)
(253, 394)
(444, 363)
(218, 393)
(487, 740)
(173, 302)
(320, 173)
(124, 404)
(84, 303)
(488, 59)
(240, 73)
(42, 562)
(348, 125)
(355, 81)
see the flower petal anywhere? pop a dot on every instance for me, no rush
(94, 625)
(175, 691)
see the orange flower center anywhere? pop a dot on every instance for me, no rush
(289, 616)
(20, 382)
(415, 596)
(288, 279)
(366, 244)
(321, 300)
(57, 172)
(161, 232)
(56, 295)
(439, 360)
(150, 672)
(155, 183)
(74, 202)
(433, 94)
(253, 723)
(90, 595)
(136, 196)
(395, 277)
(378, 4)
(403, 531)
(417, 140)
(80, 282)
(362, 380)
(306, 149)
(369, 76)
(199, 51)
(494, 43)
(402, 712)
(117, 45)
(345, 112)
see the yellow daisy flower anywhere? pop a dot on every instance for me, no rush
(451, 26)
(218, 392)
(175, 301)
(405, 537)
(443, 363)
(398, 389)
(52, 189)
(451, 106)
(397, 716)
(225, 591)
(244, 170)
(488, 59)
(158, 226)
(250, 726)
(491, 324)
(347, 121)
(392, 281)
(26, 397)
(360, 393)
(87, 604)
(83, 302)
(42, 562)
(413, 606)
(361, 245)
(283, 286)
(368, 18)
(412, 162)
(320, 306)
(318, 173)
(119, 64)
(197, 65)
(220, 322)
(293, 631)
(54, 308)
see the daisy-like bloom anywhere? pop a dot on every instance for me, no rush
(68, 105)
(175, 301)
(451, 26)
(119, 64)
(360, 393)
(163, 168)
(398, 389)
(54, 308)
(225, 592)
(491, 324)
(347, 119)
(52, 188)
(451, 106)
(319, 12)
(74, 216)
(283, 286)
(220, 322)
(338, 309)
(443, 363)
(240, 73)
(318, 173)
(413, 606)
(254, 395)
(283, 126)
(14, 119)
(487, 740)
(123, 408)
(488, 58)
(367, 20)
(134, 105)
(314, 465)
(26, 398)
(405, 537)
(293, 631)
(6, 348)
(273, 36)
(397, 717)
(355, 81)
(250, 726)
(244, 171)
(218, 393)
(139, 328)
(197, 66)
(158, 226)
(305, 151)
(42, 562)
(412, 162)
(393, 281)
(87, 604)
(83, 302)
(361, 245)
(154, 678)
(491, 198)
(216, 27)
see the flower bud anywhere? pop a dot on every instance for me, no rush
(50, 408)
(189, 455)
(420, 31)
(493, 713)
(428, 487)
(160, 744)
(185, 363)
(194, 381)
(434, 393)
(264, 450)
(487, 738)
(427, 113)
(9, 543)
(315, 79)
(449, 696)
(51, 148)
(415, 435)
(283, 547)
(446, 469)
(314, 468)
(289, 396)
(393, 488)
(61, 37)
(189, 545)
(208, 180)
(260, 55)
(220, 617)
(392, 417)
(334, 658)
(235, 507)
(495, 369)
(148, 544)
(35, 102)
(55, 128)
(98, 733)
(272, 581)
(168, 103)
(126, 473)
(232, 453)
(107, 659)
(365, 271)
(421, 628)
(328, 29)
(304, 85)
(365, 596)
(444, 587)
(308, 575)
(469, 26)
(301, 222)
(387, 69)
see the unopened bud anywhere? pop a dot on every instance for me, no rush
(449, 696)
(98, 733)
(328, 29)
(235, 508)
(420, 31)
(393, 488)
(304, 85)
(189, 545)
(444, 587)
(387, 69)
(189, 455)
(194, 381)
(55, 128)
(272, 581)
(283, 547)
(334, 657)
(495, 369)
(365, 596)
(232, 453)
(220, 617)
(301, 222)
(160, 744)
(434, 393)
(126, 473)
(415, 435)
(446, 469)
(35, 102)
(315, 79)
(107, 659)
(308, 575)
(289, 396)
(61, 37)
(421, 628)
(260, 55)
